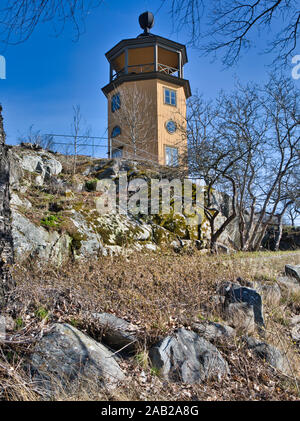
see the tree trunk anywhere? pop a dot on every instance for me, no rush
(6, 241)
(278, 234)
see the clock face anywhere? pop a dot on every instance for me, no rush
(171, 126)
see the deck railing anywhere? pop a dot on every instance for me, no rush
(145, 68)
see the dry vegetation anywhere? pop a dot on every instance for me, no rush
(159, 294)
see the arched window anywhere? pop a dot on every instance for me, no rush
(116, 131)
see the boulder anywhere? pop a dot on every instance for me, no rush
(187, 357)
(269, 353)
(213, 332)
(43, 164)
(235, 293)
(65, 357)
(117, 333)
(293, 271)
(289, 283)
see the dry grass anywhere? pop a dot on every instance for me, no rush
(158, 293)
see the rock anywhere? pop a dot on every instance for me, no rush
(10, 324)
(41, 164)
(269, 353)
(235, 293)
(295, 328)
(35, 241)
(187, 357)
(222, 249)
(241, 316)
(293, 271)
(65, 357)
(270, 292)
(289, 283)
(117, 333)
(213, 332)
(16, 201)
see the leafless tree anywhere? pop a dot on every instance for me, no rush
(136, 119)
(80, 135)
(36, 138)
(19, 18)
(248, 147)
(229, 25)
(293, 214)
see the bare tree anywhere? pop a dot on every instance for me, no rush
(293, 214)
(229, 25)
(136, 120)
(36, 138)
(248, 148)
(80, 135)
(19, 18)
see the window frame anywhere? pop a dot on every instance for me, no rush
(115, 104)
(175, 148)
(170, 95)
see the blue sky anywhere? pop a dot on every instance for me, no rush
(46, 75)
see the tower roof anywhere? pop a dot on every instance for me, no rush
(147, 41)
(146, 57)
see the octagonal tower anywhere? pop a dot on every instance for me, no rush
(147, 96)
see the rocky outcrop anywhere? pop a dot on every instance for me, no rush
(61, 210)
(65, 358)
(6, 238)
(290, 238)
(189, 358)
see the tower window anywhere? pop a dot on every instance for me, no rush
(116, 131)
(170, 97)
(115, 102)
(171, 156)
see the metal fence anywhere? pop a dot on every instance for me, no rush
(94, 146)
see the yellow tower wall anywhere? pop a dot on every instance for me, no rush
(154, 114)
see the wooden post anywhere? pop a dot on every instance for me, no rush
(155, 58)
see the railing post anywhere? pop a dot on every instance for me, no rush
(155, 58)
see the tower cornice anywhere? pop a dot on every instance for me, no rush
(146, 76)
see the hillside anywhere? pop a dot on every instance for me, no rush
(117, 307)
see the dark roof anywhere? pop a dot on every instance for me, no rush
(147, 41)
(148, 75)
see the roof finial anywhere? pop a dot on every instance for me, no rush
(146, 21)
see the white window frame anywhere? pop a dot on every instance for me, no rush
(170, 93)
